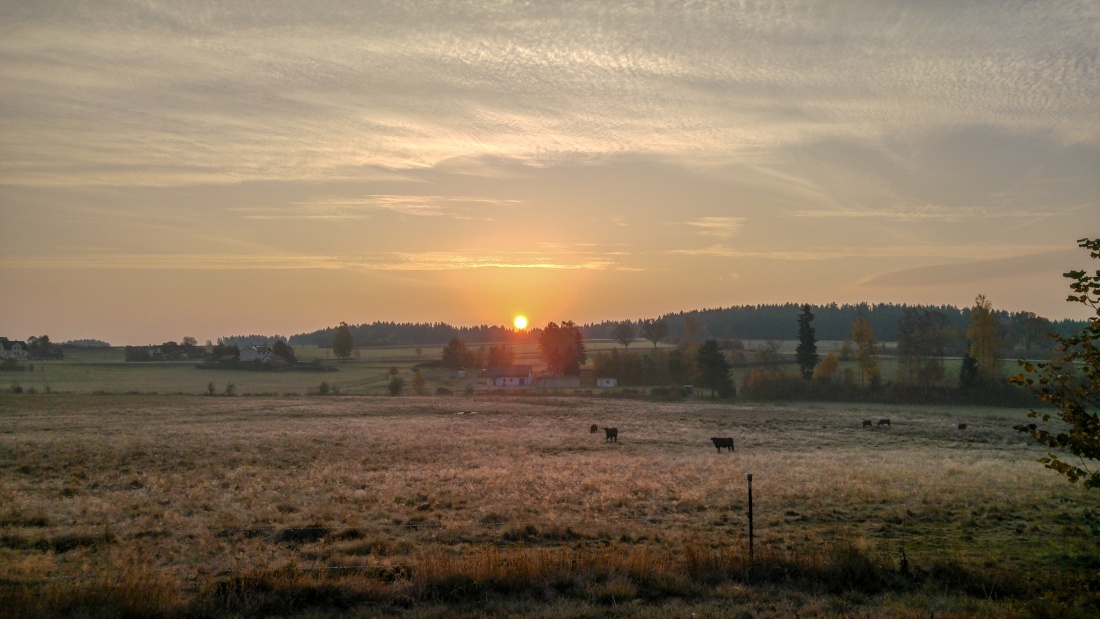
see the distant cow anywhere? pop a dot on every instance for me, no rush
(867, 423)
(719, 443)
(962, 426)
(592, 429)
(611, 434)
(883, 422)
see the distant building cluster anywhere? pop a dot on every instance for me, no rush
(522, 376)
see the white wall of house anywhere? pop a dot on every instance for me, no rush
(252, 353)
(13, 350)
(508, 381)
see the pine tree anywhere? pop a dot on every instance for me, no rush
(714, 370)
(806, 354)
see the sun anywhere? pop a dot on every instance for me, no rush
(520, 322)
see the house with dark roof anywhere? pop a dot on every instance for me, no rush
(255, 353)
(12, 349)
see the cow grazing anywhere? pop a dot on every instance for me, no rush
(867, 423)
(611, 434)
(883, 422)
(719, 443)
(962, 426)
(592, 429)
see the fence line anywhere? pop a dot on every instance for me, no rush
(574, 519)
(854, 484)
(910, 545)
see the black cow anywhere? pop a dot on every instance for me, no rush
(719, 443)
(962, 426)
(611, 434)
(867, 423)
(594, 428)
(883, 422)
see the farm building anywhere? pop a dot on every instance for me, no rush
(553, 381)
(508, 376)
(12, 349)
(607, 383)
(255, 353)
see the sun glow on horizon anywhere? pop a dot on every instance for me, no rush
(520, 322)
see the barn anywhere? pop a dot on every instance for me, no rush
(508, 376)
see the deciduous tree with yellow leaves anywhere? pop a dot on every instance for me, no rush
(1072, 384)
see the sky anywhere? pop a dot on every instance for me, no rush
(204, 169)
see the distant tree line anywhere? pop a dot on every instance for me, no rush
(85, 343)
(396, 334)
(920, 375)
(242, 341)
(187, 349)
(1023, 333)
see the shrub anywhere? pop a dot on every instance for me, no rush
(11, 365)
(396, 386)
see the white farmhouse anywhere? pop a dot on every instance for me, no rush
(508, 376)
(12, 349)
(255, 353)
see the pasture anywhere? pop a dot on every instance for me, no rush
(443, 506)
(90, 371)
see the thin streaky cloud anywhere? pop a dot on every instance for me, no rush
(390, 261)
(832, 253)
(720, 227)
(338, 208)
(916, 214)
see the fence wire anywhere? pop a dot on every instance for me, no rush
(292, 540)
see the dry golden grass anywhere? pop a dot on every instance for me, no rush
(191, 505)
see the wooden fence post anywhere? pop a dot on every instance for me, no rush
(750, 518)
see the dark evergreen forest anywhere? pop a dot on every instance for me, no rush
(1023, 332)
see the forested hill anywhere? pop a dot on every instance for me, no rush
(407, 333)
(834, 322)
(747, 322)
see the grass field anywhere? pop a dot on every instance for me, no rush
(101, 371)
(104, 371)
(442, 506)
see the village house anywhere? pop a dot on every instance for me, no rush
(508, 376)
(255, 353)
(12, 349)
